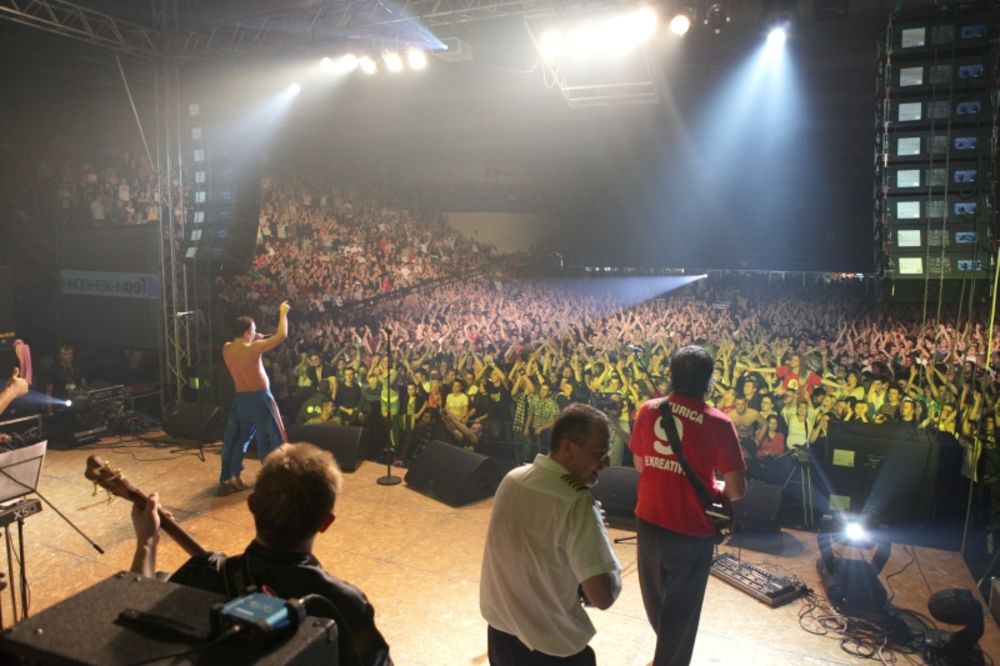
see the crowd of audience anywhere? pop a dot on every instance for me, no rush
(328, 247)
(487, 361)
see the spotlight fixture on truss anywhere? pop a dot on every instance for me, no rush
(682, 21)
(779, 18)
(598, 58)
(393, 61)
(716, 17)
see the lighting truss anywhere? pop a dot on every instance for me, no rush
(69, 20)
(352, 19)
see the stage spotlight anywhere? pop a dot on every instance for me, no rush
(551, 45)
(681, 23)
(393, 61)
(716, 17)
(294, 89)
(417, 59)
(367, 65)
(582, 42)
(643, 23)
(855, 531)
(346, 63)
(326, 64)
(779, 18)
(68, 403)
(852, 584)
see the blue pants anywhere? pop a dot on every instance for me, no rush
(254, 415)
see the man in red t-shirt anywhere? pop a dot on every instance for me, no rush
(675, 536)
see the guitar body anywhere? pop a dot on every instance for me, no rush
(721, 513)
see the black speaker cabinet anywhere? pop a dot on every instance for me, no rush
(343, 442)
(453, 475)
(759, 508)
(86, 629)
(617, 491)
(189, 420)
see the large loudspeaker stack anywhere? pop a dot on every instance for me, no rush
(455, 476)
(223, 199)
(758, 510)
(343, 442)
(935, 164)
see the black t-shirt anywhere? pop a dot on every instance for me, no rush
(348, 397)
(499, 403)
(292, 576)
(64, 380)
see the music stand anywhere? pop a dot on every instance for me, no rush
(20, 470)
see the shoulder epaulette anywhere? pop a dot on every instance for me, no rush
(574, 483)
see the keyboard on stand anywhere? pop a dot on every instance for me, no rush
(757, 582)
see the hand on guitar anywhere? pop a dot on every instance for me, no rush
(146, 521)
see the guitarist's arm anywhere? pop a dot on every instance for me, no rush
(736, 485)
(146, 522)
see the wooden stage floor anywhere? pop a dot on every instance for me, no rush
(418, 561)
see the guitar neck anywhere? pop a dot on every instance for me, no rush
(170, 526)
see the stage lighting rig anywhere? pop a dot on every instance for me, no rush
(780, 18)
(393, 61)
(416, 59)
(367, 65)
(716, 17)
(852, 583)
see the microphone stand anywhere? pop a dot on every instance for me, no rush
(388, 479)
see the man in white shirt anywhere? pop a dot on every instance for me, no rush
(547, 548)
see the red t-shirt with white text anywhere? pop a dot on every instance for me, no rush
(710, 444)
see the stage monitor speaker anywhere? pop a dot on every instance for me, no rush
(344, 442)
(87, 628)
(200, 422)
(759, 508)
(617, 491)
(453, 475)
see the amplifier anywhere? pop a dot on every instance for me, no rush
(88, 628)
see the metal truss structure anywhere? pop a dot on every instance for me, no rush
(69, 20)
(337, 20)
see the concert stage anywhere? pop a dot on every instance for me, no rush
(418, 560)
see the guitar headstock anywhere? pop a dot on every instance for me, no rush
(101, 473)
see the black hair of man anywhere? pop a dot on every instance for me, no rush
(691, 372)
(241, 325)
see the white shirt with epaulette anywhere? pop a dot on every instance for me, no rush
(545, 537)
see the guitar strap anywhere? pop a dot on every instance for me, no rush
(667, 420)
